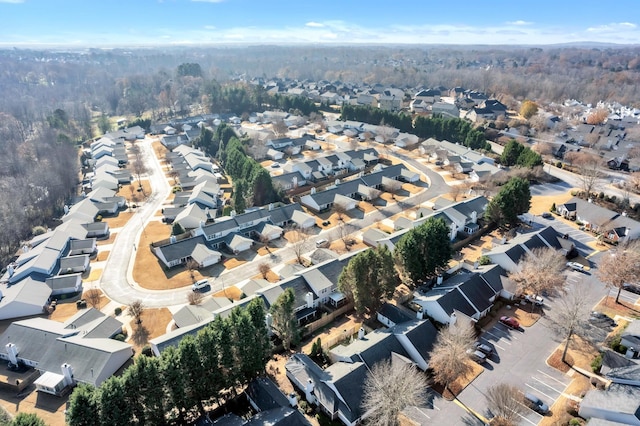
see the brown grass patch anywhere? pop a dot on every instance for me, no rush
(366, 207)
(118, 221)
(462, 382)
(160, 150)
(263, 251)
(102, 256)
(67, 308)
(272, 277)
(233, 263)
(542, 203)
(609, 306)
(109, 240)
(390, 198)
(411, 188)
(154, 324)
(130, 191)
(232, 292)
(95, 274)
(338, 246)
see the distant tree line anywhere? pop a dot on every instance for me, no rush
(179, 385)
(451, 129)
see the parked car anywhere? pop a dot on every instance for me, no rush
(510, 322)
(322, 243)
(536, 404)
(599, 317)
(547, 215)
(200, 284)
(485, 349)
(536, 300)
(633, 288)
(576, 266)
(275, 165)
(476, 356)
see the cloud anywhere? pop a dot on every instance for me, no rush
(314, 24)
(12, 1)
(209, 27)
(519, 23)
(614, 26)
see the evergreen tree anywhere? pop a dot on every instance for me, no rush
(423, 250)
(239, 203)
(513, 199)
(369, 277)
(114, 407)
(171, 373)
(261, 343)
(511, 152)
(27, 419)
(285, 323)
(83, 406)
(151, 388)
(210, 358)
(196, 385)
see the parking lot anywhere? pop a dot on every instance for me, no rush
(580, 238)
(518, 359)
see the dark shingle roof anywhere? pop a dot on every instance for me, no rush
(455, 300)
(478, 292)
(393, 313)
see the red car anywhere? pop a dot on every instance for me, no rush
(510, 322)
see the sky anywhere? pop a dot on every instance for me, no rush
(113, 23)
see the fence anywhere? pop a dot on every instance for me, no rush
(326, 319)
(346, 336)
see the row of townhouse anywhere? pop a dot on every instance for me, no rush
(463, 159)
(613, 226)
(107, 158)
(235, 233)
(297, 174)
(52, 264)
(312, 287)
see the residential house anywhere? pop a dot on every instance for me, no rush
(619, 404)
(79, 350)
(616, 227)
(445, 109)
(389, 102)
(429, 96)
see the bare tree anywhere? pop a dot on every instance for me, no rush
(298, 238)
(173, 174)
(264, 269)
(279, 128)
(372, 193)
(570, 319)
(635, 181)
(589, 171)
(389, 388)
(343, 232)
(264, 239)
(620, 267)
(93, 296)
(505, 403)
(192, 266)
(541, 270)
(339, 210)
(195, 297)
(449, 359)
(543, 148)
(455, 191)
(135, 310)
(392, 186)
(598, 116)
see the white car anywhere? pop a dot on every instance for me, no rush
(322, 243)
(576, 266)
(536, 300)
(199, 285)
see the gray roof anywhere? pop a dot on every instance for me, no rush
(265, 394)
(393, 313)
(617, 398)
(60, 282)
(73, 261)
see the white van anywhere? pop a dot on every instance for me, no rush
(322, 243)
(199, 285)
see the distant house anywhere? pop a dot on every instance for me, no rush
(619, 404)
(428, 95)
(445, 109)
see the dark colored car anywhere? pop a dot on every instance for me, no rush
(546, 215)
(510, 322)
(536, 404)
(477, 356)
(485, 349)
(633, 288)
(599, 316)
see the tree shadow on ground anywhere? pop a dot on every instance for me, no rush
(140, 335)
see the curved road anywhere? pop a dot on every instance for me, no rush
(117, 279)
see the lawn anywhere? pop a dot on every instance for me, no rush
(232, 292)
(95, 274)
(131, 193)
(102, 256)
(609, 306)
(272, 277)
(65, 309)
(109, 240)
(154, 323)
(118, 221)
(460, 383)
(232, 262)
(543, 203)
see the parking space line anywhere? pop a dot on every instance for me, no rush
(524, 418)
(549, 386)
(536, 389)
(553, 378)
(492, 343)
(499, 337)
(423, 413)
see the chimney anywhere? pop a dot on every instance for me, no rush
(10, 270)
(293, 399)
(233, 213)
(337, 182)
(420, 314)
(474, 217)
(268, 320)
(308, 389)
(270, 206)
(439, 280)
(67, 372)
(12, 353)
(309, 298)
(294, 180)
(313, 190)
(361, 333)
(66, 209)
(173, 239)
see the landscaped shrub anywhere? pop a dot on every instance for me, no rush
(99, 218)
(553, 208)
(147, 351)
(120, 337)
(559, 164)
(38, 230)
(575, 422)
(484, 260)
(616, 345)
(118, 310)
(596, 363)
